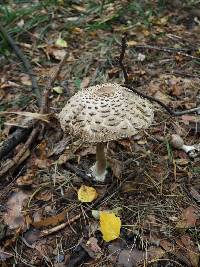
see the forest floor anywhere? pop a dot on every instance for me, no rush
(153, 187)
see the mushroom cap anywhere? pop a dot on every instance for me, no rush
(176, 141)
(105, 112)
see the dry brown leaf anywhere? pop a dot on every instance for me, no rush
(116, 167)
(135, 257)
(56, 52)
(127, 144)
(85, 82)
(32, 235)
(187, 119)
(53, 220)
(182, 162)
(92, 248)
(192, 121)
(14, 217)
(162, 97)
(25, 180)
(45, 195)
(189, 218)
(9, 84)
(79, 8)
(132, 43)
(69, 152)
(190, 250)
(166, 245)
(93, 244)
(42, 163)
(42, 149)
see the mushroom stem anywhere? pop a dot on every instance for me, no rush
(187, 148)
(99, 169)
(100, 158)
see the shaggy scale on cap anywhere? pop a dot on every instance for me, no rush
(105, 112)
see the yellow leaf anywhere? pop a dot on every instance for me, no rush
(110, 225)
(60, 42)
(87, 194)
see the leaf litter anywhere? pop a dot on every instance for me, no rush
(14, 216)
(156, 203)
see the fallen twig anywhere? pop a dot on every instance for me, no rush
(16, 159)
(13, 140)
(184, 74)
(127, 83)
(121, 57)
(59, 227)
(177, 51)
(169, 110)
(54, 75)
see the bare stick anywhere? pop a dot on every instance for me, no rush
(127, 85)
(44, 104)
(169, 110)
(60, 226)
(14, 139)
(177, 51)
(121, 57)
(25, 62)
(16, 159)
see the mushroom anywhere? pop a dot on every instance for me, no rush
(177, 142)
(103, 113)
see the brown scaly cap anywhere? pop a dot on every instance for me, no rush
(105, 112)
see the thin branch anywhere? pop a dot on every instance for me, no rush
(127, 84)
(25, 62)
(16, 159)
(121, 57)
(44, 104)
(177, 51)
(13, 140)
(168, 109)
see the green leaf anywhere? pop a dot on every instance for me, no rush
(60, 42)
